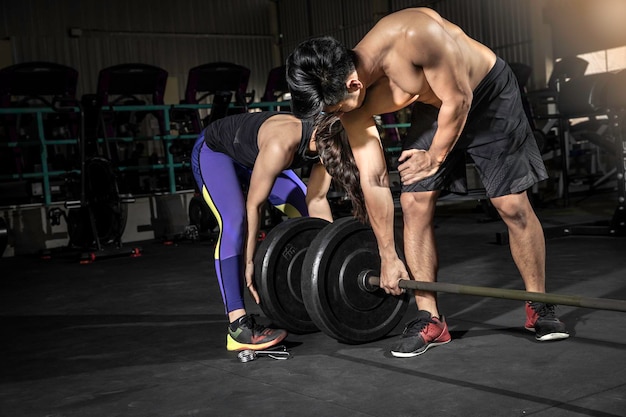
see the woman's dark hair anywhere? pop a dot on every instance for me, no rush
(317, 71)
(336, 155)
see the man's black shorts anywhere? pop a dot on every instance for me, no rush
(497, 136)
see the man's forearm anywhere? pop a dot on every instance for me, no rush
(320, 208)
(380, 209)
(450, 122)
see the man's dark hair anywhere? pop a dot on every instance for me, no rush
(317, 71)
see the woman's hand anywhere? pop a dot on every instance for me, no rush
(250, 282)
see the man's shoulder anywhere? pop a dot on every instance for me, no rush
(357, 118)
(409, 14)
(393, 31)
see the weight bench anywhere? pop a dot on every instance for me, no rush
(564, 69)
(601, 94)
(584, 98)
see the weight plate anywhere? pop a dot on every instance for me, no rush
(335, 301)
(102, 214)
(200, 215)
(277, 272)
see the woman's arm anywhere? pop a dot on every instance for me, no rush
(272, 159)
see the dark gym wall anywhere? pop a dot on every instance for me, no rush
(346, 20)
(503, 25)
(180, 35)
(175, 35)
(517, 30)
(261, 33)
(581, 26)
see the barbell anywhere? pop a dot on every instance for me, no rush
(314, 275)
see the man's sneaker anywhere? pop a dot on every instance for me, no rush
(540, 318)
(420, 334)
(245, 333)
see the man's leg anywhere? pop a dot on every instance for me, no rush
(420, 249)
(527, 243)
(428, 329)
(526, 239)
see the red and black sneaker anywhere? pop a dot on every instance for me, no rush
(541, 319)
(245, 333)
(421, 334)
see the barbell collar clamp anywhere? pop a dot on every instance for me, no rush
(248, 355)
(368, 281)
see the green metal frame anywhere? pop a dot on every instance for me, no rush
(170, 166)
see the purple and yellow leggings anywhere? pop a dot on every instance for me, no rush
(220, 180)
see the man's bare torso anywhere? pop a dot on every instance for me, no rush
(393, 55)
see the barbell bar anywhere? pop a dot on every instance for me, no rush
(368, 281)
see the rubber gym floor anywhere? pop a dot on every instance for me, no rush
(146, 337)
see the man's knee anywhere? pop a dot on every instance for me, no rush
(418, 205)
(514, 208)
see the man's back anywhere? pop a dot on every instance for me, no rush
(404, 51)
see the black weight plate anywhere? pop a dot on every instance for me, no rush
(332, 295)
(277, 272)
(200, 215)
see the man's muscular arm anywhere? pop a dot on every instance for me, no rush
(447, 74)
(316, 191)
(369, 157)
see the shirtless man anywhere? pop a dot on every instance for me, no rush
(465, 100)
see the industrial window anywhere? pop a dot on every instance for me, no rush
(607, 60)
